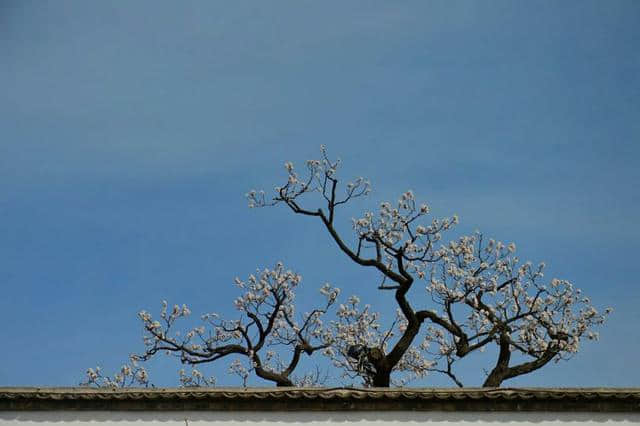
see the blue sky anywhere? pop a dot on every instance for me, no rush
(132, 130)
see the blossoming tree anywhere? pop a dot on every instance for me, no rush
(480, 292)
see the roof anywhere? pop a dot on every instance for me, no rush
(322, 399)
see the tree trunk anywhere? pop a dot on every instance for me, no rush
(382, 380)
(499, 372)
(279, 379)
(494, 380)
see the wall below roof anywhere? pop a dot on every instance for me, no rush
(396, 418)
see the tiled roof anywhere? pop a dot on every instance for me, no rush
(323, 399)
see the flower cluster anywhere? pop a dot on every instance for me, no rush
(360, 341)
(320, 176)
(195, 379)
(237, 368)
(398, 231)
(129, 375)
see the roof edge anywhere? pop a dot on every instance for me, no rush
(321, 399)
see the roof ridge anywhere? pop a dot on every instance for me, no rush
(324, 399)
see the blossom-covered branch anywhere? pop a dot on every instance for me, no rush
(480, 293)
(394, 241)
(488, 296)
(267, 320)
(267, 331)
(130, 374)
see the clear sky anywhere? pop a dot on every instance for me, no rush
(130, 132)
